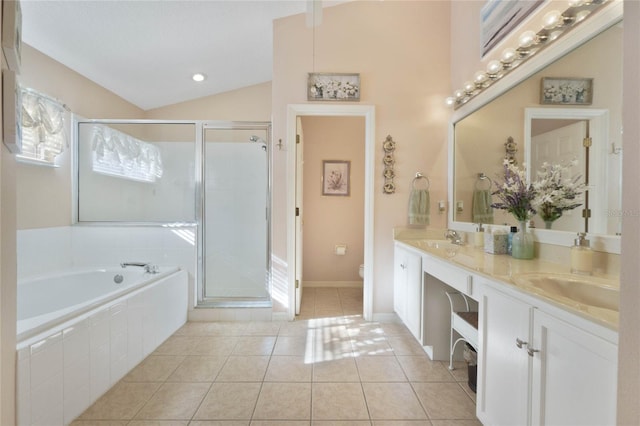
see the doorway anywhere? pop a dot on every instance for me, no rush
(294, 248)
(330, 169)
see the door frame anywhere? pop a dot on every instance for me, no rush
(329, 110)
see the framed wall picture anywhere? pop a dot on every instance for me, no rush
(12, 34)
(566, 91)
(11, 112)
(336, 177)
(333, 87)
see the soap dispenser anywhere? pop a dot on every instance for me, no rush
(478, 236)
(581, 256)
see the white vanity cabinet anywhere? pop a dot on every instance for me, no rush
(407, 288)
(541, 366)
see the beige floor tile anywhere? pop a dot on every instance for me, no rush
(100, 423)
(198, 369)
(212, 329)
(419, 368)
(402, 423)
(219, 423)
(380, 369)
(341, 423)
(392, 401)
(243, 369)
(254, 345)
(214, 345)
(338, 401)
(279, 423)
(177, 345)
(377, 345)
(288, 369)
(460, 370)
(154, 368)
(294, 328)
(405, 345)
(292, 345)
(284, 401)
(339, 370)
(121, 402)
(229, 401)
(262, 329)
(174, 401)
(394, 329)
(445, 401)
(158, 423)
(475, 422)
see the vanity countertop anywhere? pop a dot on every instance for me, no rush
(504, 268)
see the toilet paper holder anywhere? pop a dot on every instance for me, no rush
(340, 249)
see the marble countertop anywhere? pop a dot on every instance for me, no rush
(504, 268)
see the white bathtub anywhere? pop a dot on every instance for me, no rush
(79, 332)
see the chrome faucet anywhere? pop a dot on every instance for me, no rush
(151, 269)
(451, 234)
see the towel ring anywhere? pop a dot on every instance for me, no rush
(420, 176)
(481, 178)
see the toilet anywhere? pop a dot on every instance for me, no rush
(361, 271)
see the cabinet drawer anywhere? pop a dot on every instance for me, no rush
(452, 276)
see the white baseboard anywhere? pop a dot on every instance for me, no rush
(353, 284)
(386, 318)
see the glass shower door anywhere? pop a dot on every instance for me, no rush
(236, 214)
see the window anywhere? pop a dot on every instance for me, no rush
(44, 130)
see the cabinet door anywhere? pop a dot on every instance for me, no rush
(400, 283)
(503, 367)
(574, 375)
(413, 270)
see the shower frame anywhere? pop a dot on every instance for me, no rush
(199, 198)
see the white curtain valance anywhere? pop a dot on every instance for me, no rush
(44, 134)
(117, 154)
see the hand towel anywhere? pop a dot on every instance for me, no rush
(419, 206)
(481, 209)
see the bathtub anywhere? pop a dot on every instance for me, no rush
(82, 330)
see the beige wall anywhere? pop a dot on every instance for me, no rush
(404, 72)
(49, 189)
(331, 220)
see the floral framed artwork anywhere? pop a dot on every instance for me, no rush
(333, 87)
(336, 179)
(566, 91)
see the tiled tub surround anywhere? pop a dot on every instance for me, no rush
(61, 371)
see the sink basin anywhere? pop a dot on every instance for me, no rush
(583, 290)
(445, 246)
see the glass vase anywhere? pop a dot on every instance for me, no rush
(522, 244)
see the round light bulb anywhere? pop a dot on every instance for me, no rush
(551, 20)
(494, 67)
(480, 77)
(508, 55)
(199, 77)
(469, 87)
(527, 39)
(459, 94)
(450, 101)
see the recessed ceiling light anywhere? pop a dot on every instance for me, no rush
(199, 77)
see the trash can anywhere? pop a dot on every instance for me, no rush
(471, 357)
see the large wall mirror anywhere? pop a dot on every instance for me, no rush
(516, 123)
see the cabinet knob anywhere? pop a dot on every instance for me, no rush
(520, 343)
(532, 351)
(403, 266)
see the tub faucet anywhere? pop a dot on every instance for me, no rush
(152, 269)
(452, 235)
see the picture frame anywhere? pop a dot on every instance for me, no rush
(11, 112)
(12, 34)
(566, 91)
(336, 177)
(498, 18)
(333, 87)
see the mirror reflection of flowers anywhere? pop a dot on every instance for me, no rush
(336, 181)
(516, 195)
(557, 190)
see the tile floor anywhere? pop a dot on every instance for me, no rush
(329, 367)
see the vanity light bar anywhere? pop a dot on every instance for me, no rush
(555, 24)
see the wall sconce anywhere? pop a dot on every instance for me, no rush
(554, 24)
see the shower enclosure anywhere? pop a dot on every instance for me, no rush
(236, 214)
(207, 177)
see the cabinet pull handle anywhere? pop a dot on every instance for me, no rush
(402, 266)
(520, 343)
(531, 351)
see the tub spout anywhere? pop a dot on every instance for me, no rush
(148, 267)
